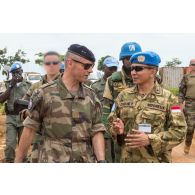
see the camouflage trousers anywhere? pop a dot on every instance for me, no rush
(190, 120)
(13, 133)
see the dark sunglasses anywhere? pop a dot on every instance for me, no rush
(54, 63)
(139, 68)
(85, 66)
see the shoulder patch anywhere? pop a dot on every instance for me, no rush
(34, 100)
(116, 76)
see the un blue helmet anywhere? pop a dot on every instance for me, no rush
(128, 49)
(15, 66)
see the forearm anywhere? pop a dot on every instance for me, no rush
(24, 144)
(4, 96)
(99, 146)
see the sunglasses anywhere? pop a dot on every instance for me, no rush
(54, 63)
(85, 66)
(139, 68)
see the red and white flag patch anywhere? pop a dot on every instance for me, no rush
(175, 109)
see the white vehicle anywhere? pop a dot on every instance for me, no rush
(32, 77)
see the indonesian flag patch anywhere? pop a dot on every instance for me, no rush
(175, 109)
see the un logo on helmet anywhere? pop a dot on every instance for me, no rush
(131, 47)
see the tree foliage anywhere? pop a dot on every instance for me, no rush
(8, 60)
(173, 63)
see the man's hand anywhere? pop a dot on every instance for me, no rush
(119, 126)
(13, 82)
(136, 140)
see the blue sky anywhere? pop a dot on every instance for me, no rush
(167, 45)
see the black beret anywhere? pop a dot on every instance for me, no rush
(82, 51)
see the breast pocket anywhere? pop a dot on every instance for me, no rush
(154, 117)
(127, 112)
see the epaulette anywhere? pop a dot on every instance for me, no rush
(84, 85)
(47, 84)
(116, 76)
(96, 81)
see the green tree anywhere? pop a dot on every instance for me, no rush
(173, 63)
(6, 60)
(40, 55)
(100, 62)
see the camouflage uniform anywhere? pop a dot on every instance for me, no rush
(168, 127)
(13, 124)
(187, 94)
(67, 122)
(38, 139)
(98, 87)
(114, 85)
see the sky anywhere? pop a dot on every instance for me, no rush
(167, 45)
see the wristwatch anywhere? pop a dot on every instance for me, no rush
(102, 161)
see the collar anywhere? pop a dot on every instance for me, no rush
(65, 94)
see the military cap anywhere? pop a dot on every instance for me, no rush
(82, 51)
(192, 62)
(110, 61)
(149, 58)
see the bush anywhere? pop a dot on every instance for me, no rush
(175, 91)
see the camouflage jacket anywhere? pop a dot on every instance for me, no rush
(68, 122)
(36, 85)
(117, 82)
(156, 108)
(98, 87)
(187, 88)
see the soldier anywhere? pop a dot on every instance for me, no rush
(68, 113)
(16, 88)
(110, 66)
(187, 98)
(148, 121)
(52, 68)
(116, 83)
(62, 67)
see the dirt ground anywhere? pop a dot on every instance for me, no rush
(177, 155)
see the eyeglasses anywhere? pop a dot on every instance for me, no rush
(139, 68)
(85, 66)
(54, 63)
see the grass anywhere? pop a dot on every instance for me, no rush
(175, 91)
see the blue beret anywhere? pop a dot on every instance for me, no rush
(110, 61)
(149, 58)
(82, 51)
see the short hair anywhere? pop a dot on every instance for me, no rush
(50, 53)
